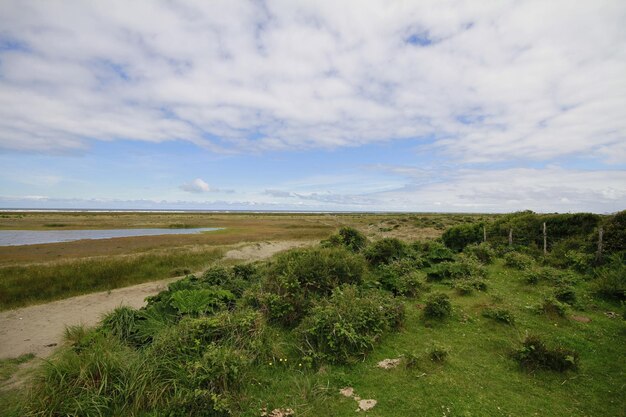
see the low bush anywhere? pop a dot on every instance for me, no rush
(400, 277)
(610, 280)
(347, 325)
(235, 279)
(294, 279)
(348, 237)
(553, 307)
(483, 252)
(438, 306)
(433, 252)
(384, 251)
(195, 302)
(565, 294)
(464, 268)
(549, 275)
(534, 355)
(219, 369)
(459, 236)
(518, 260)
(499, 314)
(467, 287)
(615, 233)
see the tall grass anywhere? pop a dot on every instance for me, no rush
(28, 284)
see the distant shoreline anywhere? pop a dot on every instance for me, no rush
(82, 210)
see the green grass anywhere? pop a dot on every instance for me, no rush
(28, 284)
(478, 377)
(261, 365)
(11, 397)
(9, 366)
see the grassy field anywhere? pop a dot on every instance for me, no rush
(39, 273)
(479, 377)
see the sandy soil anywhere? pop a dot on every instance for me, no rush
(258, 251)
(39, 329)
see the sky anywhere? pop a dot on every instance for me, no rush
(443, 105)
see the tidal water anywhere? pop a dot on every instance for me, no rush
(34, 237)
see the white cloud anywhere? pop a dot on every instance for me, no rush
(534, 79)
(197, 186)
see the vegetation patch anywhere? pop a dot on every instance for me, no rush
(535, 355)
(347, 326)
(499, 314)
(438, 306)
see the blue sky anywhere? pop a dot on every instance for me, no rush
(488, 106)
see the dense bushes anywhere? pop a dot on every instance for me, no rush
(348, 237)
(528, 228)
(464, 268)
(385, 250)
(433, 252)
(534, 355)
(518, 260)
(296, 278)
(401, 277)
(615, 233)
(610, 280)
(347, 325)
(438, 306)
(483, 252)
(459, 236)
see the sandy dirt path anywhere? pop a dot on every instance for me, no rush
(39, 329)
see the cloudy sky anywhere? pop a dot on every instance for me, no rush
(480, 106)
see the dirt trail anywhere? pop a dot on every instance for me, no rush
(39, 329)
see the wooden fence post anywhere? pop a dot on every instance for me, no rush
(484, 233)
(511, 237)
(545, 240)
(599, 253)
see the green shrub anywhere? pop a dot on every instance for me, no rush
(610, 280)
(187, 341)
(348, 237)
(518, 260)
(553, 307)
(579, 261)
(201, 301)
(500, 314)
(483, 252)
(220, 369)
(384, 251)
(615, 233)
(438, 306)
(459, 236)
(245, 272)
(534, 355)
(467, 287)
(464, 268)
(400, 277)
(294, 279)
(347, 325)
(464, 288)
(565, 294)
(235, 280)
(434, 252)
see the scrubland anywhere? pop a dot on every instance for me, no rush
(473, 328)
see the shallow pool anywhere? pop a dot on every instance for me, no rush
(34, 237)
